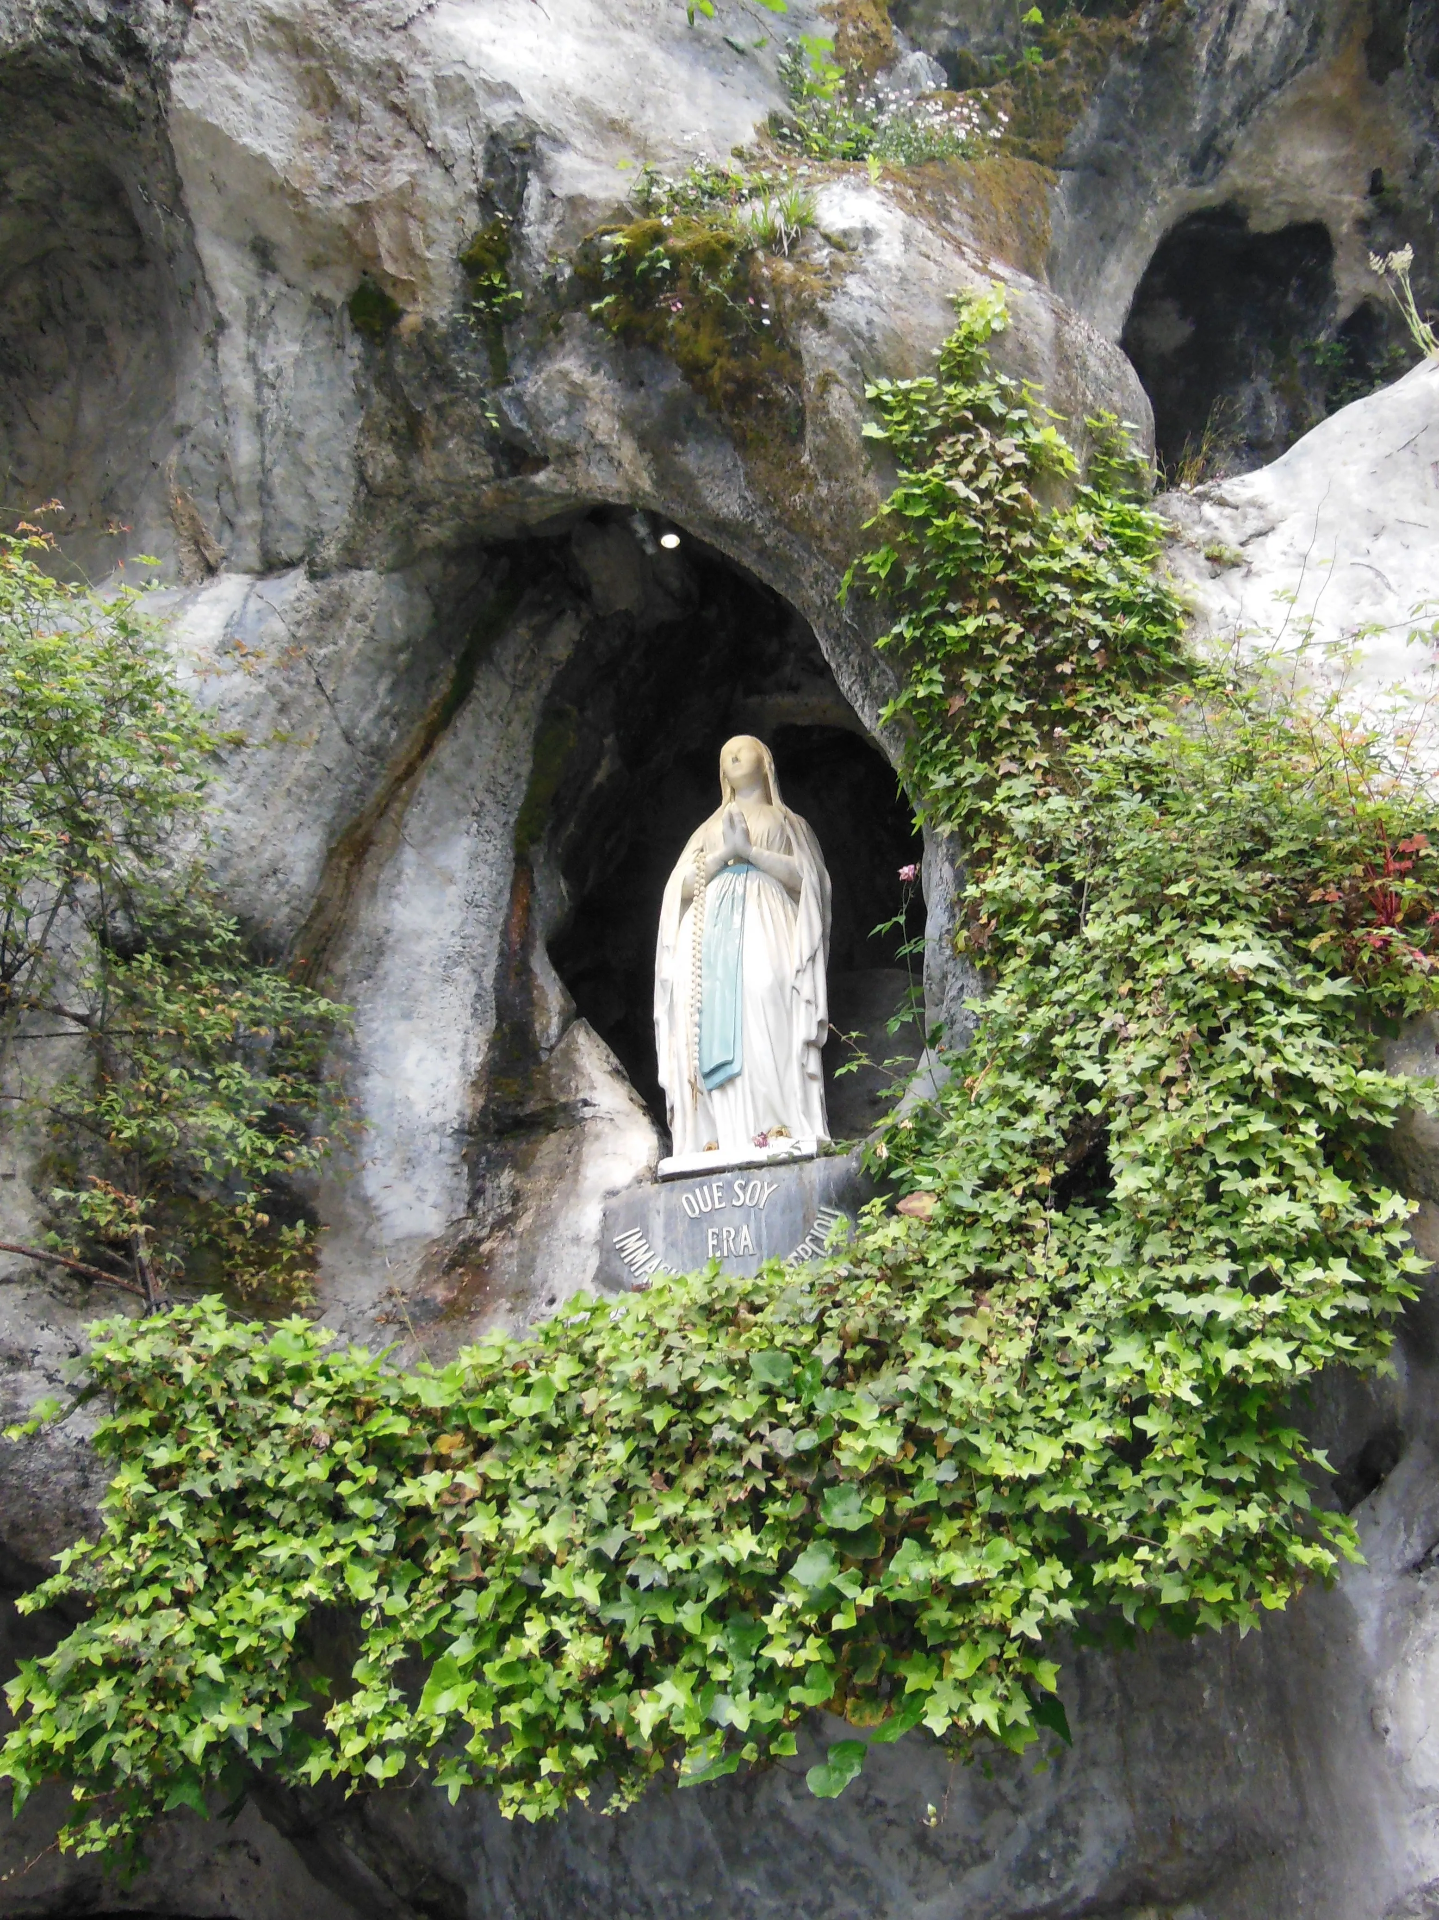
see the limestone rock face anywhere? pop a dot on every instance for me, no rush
(414, 562)
(1284, 113)
(1330, 557)
(1221, 175)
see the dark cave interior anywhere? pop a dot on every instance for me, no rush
(1235, 337)
(703, 650)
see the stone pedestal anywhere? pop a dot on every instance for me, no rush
(741, 1217)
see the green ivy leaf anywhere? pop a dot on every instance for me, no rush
(842, 1763)
(1048, 1711)
(844, 1507)
(816, 1567)
(705, 1762)
(187, 1792)
(446, 1690)
(899, 1723)
(772, 1368)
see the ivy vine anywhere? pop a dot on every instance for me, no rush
(1058, 1391)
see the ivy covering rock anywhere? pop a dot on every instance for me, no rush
(1058, 1391)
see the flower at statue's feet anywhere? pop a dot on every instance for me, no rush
(909, 874)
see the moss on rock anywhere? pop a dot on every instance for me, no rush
(702, 294)
(493, 297)
(372, 311)
(1046, 95)
(553, 746)
(863, 35)
(487, 252)
(1003, 201)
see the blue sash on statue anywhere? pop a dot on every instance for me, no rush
(722, 977)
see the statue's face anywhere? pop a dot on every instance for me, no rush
(740, 761)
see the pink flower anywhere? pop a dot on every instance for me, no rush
(909, 875)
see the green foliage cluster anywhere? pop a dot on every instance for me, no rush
(1056, 1392)
(203, 1101)
(705, 187)
(668, 1526)
(833, 117)
(101, 759)
(695, 276)
(705, 276)
(200, 1096)
(763, 206)
(1194, 895)
(493, 297)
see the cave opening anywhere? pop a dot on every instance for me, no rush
(1239, 342)
(1226, 332)
(686, 648)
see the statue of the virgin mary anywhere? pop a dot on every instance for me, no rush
(741, 1014)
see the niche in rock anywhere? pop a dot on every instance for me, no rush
(700, 650)
(86, 295)
(1235, 337)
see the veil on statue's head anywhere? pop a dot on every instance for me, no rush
(727, 792)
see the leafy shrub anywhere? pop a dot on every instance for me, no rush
(202, 1097)
(202, 1103)
(102, 762)
(1058, 1390)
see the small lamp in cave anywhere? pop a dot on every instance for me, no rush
(670, 539)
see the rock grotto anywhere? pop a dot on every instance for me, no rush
(406, 522)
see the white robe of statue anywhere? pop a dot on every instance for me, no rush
(740, 1025)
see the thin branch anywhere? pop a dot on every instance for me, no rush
(75, 1266)
(142, 1267)
(65, 1034)
(86, 1020)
